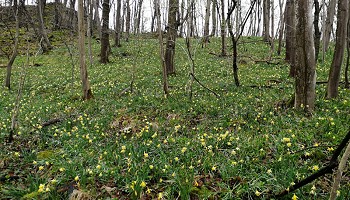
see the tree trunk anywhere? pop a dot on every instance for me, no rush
(15, 48)
(117, 24)
(87, 94)
(171, 36)
(223, 29)
(346, 74)
(127, 23)
(213, 17)
(329, 24)
(97, 19)
(317, 30)
(89, 29)
(46, 45)
(281, 31)
(266, 18)
(206, 23)
(334, 74)
(305, 77)
(138, 19)
(105, 35)
(161, 48)
(290, 36)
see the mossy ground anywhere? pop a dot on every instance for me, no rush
(143, 145)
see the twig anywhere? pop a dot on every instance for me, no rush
(333, 163)
(217, 95)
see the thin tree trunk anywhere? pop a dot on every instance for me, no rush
(305, 78)
(87, 94)
(329, 23)
(334, 73)
(317, 30)
(266, 15)
(89, 29)
(15, 48)
(206, 23)
(223, 29)
(138, 20)
(105, 35)
(161, 48)
(290, 36)
(117, 24)
(213, 17)
(281, 31)
(47, 46)
(171, 36)
(346, 74)
(127, 29)
(97, 19)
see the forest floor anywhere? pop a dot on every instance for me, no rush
(141, 144)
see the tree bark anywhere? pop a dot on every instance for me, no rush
(47, 45)
(117, 24)
(213, 17)
(206, 23)
(223, 29)
(266, 19)
(290, 36)
(305, 78)
(87, 93)
(346, 74)
(341, 34)
(282, 23)
(97, 19)
(15, 48)
(317, 30)
(171, 36)
(105, 35)
(89, 29)
(161, 47)
(329, 24)
(127, 21)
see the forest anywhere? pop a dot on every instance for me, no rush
(176, 99)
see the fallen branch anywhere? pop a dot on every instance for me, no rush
(51, 121)
(267, 62)
(333, 163)
(217, 95)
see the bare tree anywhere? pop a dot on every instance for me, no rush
(281, 28)
(290, 36)
(97, 21)
(341, 34)
(87, 93)
(118, 24)
(15, 48)
(171, 35)
(44, 40)
(223, 29)
(127, 21)
(329, 23)
(305, 77)
(266, 16)
(316, 28)
(213, 17)
(105, 34)
(206, 23)
(161, 47)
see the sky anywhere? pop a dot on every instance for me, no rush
(147, 11)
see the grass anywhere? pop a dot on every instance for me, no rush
(143, 145)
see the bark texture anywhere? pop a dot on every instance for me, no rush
(105, 35)
(290, 36)
(305, 79)
(329, 23)
(171, 36)
(341, 36)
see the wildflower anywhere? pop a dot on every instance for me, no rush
(213, 168)
(62, 169)
(269, 171)
(98, 167)
(257, 193)
(145, 155)
(17, 154)
(53, 181)
(183, 150)
(41, 188)
(315, 168)
(151, 166)
(176, 159)
(148, 191)
(41, 168)
(294, 197)
(34, 162)
(143, 184)
(160, 195)
(76, 178)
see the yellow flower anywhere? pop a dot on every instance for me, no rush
(53, 181)
(76, 178)
(41, 168)
(34, 162)
(213, 168)
(176, 159)
(294, 197)
(98, 167)
(289, 144)
(151, 166)
(269, 171)
(257, 193)
(62, 169)
(315, 168)
(183, 150)
(145, 155)
(160, 195)
(143, 184)
(286, 140)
